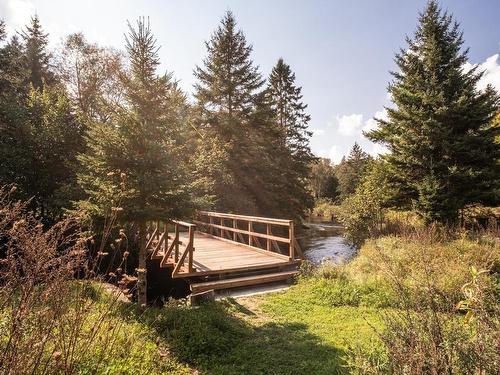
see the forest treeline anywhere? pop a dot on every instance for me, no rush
(90, 128)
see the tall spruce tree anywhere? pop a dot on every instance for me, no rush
(14, 132)
(442, 150)
(291, 119)
(226, 93)
(290, 111)
(132, 161)
(37, 56)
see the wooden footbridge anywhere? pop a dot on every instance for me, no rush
(222, 251)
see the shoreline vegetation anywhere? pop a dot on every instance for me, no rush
(429, 299)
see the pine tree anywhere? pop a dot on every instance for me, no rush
(226, 93)
(39, 133)
(133, 161)
(14, 132)
(37, 57)
(286, 102)
(442, 151)
(55, 138)
(292, 121)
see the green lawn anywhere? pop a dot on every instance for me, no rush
(270, 334)
(307, 329)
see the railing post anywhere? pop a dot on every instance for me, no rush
(250, 230)
(291, 236)
(191, 249)
(268, 241)
(235, 225)
(165, 234)
(176, 243)
(211, 221)
(221, 231)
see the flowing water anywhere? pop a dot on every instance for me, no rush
(324, 241)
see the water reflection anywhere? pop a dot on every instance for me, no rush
(324, 241)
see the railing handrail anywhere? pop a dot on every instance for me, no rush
(173, 248)
(243, 231)
(183, 223)
(253, 235)
(255, 219)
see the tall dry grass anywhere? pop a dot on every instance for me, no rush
(51, 319)
(445, 290)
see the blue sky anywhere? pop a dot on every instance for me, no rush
(341, 51)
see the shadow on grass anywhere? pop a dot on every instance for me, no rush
(215, 341)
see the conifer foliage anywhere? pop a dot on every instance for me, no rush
(37, 55)
(259, 134)
(132, 161)
(226, 93)
(351, 170)
(291, 120)
(442, 150)
(39, 132)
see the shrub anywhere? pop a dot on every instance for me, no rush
(324, 208)
(55, 316)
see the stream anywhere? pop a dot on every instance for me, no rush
(324, 241)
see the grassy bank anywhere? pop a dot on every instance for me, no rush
(333, 320)
(273, 334)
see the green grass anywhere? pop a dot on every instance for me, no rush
(273, 334)
(308, 329)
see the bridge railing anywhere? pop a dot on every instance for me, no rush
(159, 236)
(257, 232)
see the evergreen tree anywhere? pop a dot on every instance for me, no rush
(37, 57)
(54, 140)
(350, 170)
(442, 150)
(226, 93)
(40, 135)
(293, 137)
(133, 161)
(14, 157)
(286, 102)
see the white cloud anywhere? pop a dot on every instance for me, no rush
(491, 69)
(491, 74)
(378, 149)
(371, 124)
(335, 155)
(349, 124)
(317, 132)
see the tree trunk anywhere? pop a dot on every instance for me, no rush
(142, 283)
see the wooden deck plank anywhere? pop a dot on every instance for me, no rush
(213, 255)
(242, 281)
